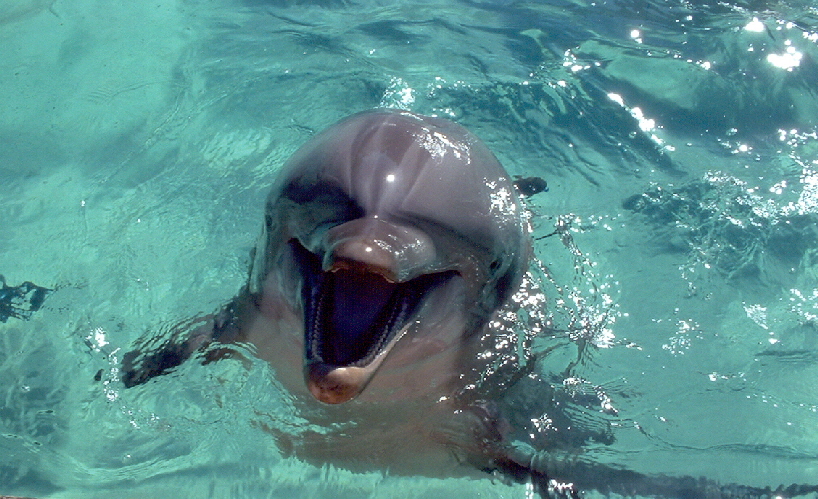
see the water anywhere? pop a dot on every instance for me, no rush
(137, 143)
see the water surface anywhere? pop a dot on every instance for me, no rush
(137, 144)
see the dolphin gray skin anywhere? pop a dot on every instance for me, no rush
(405, 236)
(391, 250)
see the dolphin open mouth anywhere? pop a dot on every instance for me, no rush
(353, 315)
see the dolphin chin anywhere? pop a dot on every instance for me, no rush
(332, 384)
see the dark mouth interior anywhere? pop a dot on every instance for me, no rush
(352, 313)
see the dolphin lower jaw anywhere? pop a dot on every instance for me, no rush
(338, 384)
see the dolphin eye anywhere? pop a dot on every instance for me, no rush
(493, 266)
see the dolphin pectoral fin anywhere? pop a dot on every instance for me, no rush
(139, 367)
(149, 359)
(145, 363)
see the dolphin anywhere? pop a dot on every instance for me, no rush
(393, 238)
(393, 249)
(390, 241)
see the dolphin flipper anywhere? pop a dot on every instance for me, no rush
(139, 367)
(152, 359)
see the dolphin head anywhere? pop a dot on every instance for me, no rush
(387, 230)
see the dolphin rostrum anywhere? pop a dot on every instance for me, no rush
(392, 245)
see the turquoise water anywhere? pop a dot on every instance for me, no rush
(138, 142)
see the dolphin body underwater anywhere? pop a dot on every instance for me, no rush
(392, 245)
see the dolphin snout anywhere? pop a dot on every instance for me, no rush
(397, 252)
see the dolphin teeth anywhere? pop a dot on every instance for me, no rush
(351, 265)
